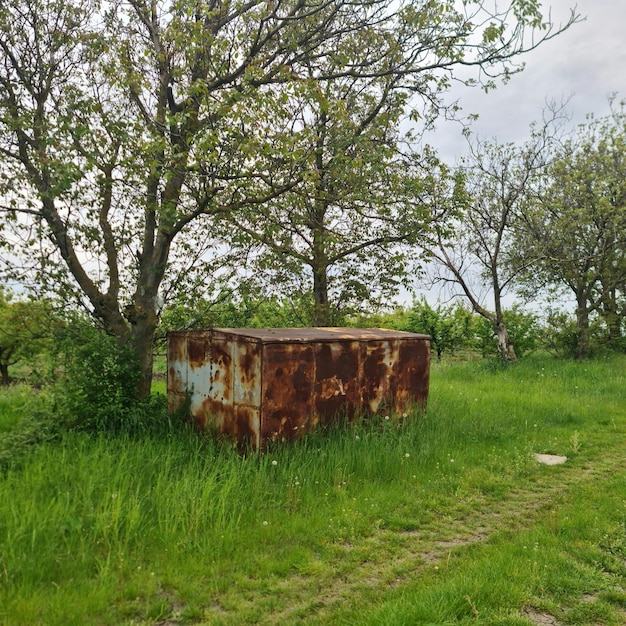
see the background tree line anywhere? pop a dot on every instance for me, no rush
(546, 219)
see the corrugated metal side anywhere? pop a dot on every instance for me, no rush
(223, 377)
(411, 372)
(247, 392)
(287, 408)
(377, 358)
(337, 390)
(257, 389)
(213, 384)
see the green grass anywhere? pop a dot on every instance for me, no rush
(15, 402)
(442, 518)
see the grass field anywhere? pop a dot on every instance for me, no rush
(442, 518)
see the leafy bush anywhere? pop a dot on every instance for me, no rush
(95, 392)
(559, 334)
(450, 328)
(26, 328)
(35, 428)
(98, 388)
(26, 421)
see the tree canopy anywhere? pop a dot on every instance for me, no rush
(575, 226)
(482, 258)
(127, 127)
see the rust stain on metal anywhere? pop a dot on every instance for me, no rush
(259, 385)
(286, 389)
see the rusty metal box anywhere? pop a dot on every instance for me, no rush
(258, 385)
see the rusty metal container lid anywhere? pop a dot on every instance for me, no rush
(306, 335)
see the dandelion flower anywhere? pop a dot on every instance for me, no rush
(274, 462)
(406, 455)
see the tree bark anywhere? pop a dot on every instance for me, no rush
(505, 345)
(4, 374)
(143, 343)
(583, 339)
(320, 291)
(142, 314)
(612, 317)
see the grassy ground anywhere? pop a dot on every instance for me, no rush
(443, 518)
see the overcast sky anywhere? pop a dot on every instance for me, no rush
(586, 62)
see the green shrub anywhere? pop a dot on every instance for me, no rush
(39, 426)
(98, 388)
(559, 334)
(449, 327)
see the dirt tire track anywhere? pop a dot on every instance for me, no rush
(413, 552)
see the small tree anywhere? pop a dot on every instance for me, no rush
(558, 333)
(576, 227)
(449, 327)
(26, 328)
(481, 258)
(523, 328)
(340, 234)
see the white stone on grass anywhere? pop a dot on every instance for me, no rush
(550, 459)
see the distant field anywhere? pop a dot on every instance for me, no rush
(442, 518)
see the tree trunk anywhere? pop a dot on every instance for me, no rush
(614, 326)
(320, 291)
(143, 341)
(583, 340)
(142, 314)
(143, 318)
(505, 345)
(4, 374)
